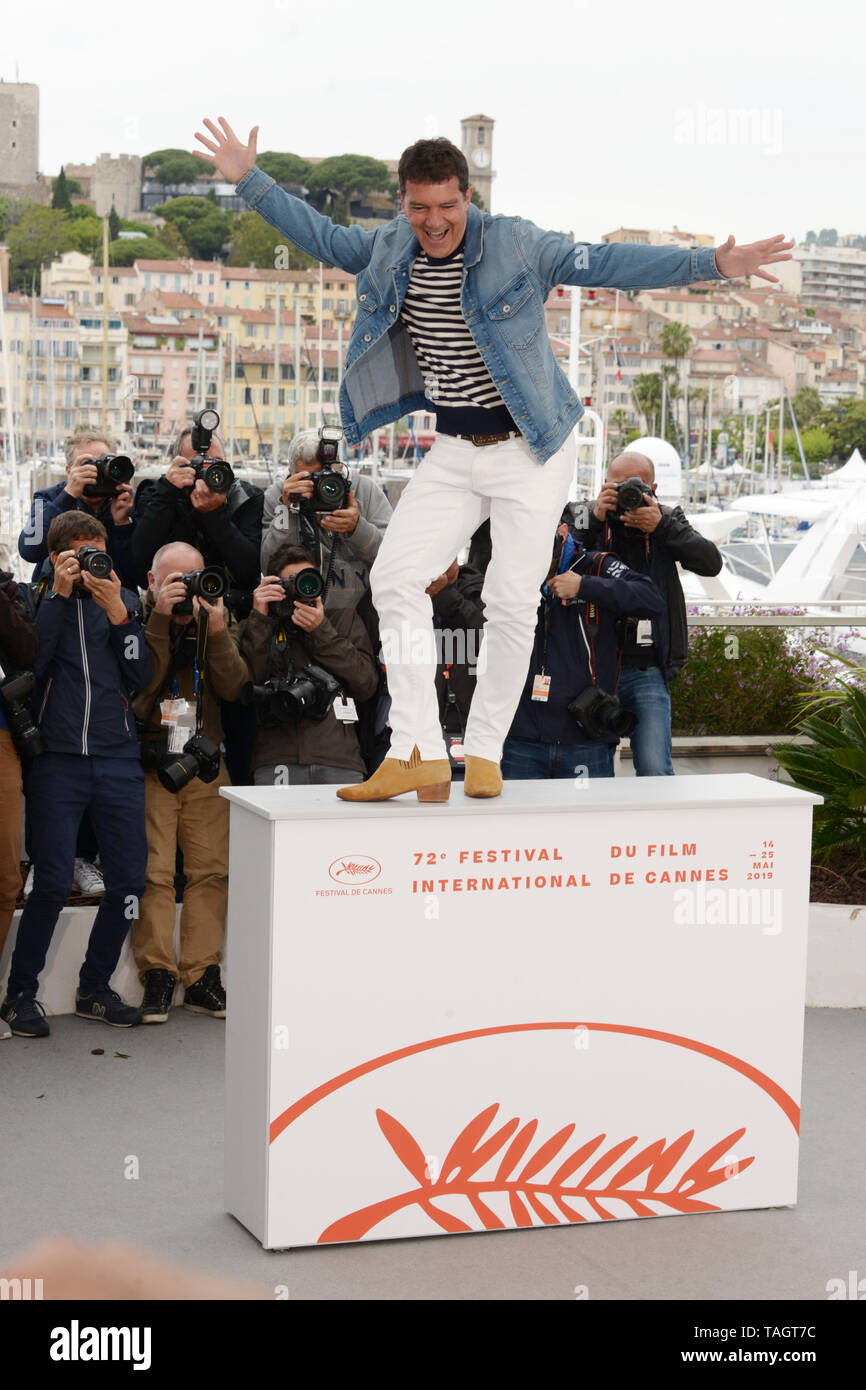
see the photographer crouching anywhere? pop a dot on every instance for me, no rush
(569, 719)
(308, 669)
(651, 539)
(195, 665)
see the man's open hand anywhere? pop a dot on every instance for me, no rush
(734, 261)
(229, 156)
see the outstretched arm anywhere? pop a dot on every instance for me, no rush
(346, 247)
(619, 265)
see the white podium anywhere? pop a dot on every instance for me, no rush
(580, 1001)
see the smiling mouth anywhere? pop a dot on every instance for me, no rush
(438, 236)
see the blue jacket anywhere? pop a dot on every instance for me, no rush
(48, 503)
(510, 267)
(615, 591)
(86, 668)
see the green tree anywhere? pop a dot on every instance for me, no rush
(816, 443)
(811, 237)
(477, 200)
(60, 199)
(113, 224)
(40, 234)
(828, 236)
(845, 423)
(255, 242)
(349, 173)
(144, 248)
(808, 407)
(204, 228)
(285, 168)
(176, 166)
(646, 391)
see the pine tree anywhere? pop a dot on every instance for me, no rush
(60, 197)
(113, 224)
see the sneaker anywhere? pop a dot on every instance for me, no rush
(207, 995)
(25, 1015)
(106, 1006)
(88, 878)
(158, 994)
(28, 885)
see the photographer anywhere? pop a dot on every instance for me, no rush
(458, 624)
(225, 527)
(116, 512)
(92, 655)
(195, 664)
(344, 540)
(17, 653)
(564, 724)
(651, 539)
(288, 640)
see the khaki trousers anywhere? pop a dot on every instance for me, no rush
(197, 819)
(10, 832)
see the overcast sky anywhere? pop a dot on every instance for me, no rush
(745, 117)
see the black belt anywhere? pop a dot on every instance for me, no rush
(480, 440)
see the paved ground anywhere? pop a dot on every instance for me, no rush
(76, 1118)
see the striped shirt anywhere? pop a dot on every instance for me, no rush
(454, 372)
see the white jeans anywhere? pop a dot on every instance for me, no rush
(456, 487)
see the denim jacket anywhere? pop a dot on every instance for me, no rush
(509, 269)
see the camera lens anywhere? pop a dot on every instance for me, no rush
(178, 771)
(330, 487)
(119, 469)
(308, 584)
(211, 584)
(218, 477)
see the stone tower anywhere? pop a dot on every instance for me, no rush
(476, 142)
(117, 180)
(19, 134)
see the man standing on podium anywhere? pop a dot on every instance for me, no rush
(451, 317)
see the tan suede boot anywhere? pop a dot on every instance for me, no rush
(431, 780)
(481, 777)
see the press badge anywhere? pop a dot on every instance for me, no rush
(644, 636)
(455, 751)
(541, 687)
(179, 716)
(345, 710)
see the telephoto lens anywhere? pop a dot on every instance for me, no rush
(92, 560)
(200, 758)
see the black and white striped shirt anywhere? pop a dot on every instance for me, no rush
(454, 372)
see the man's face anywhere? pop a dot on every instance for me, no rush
(215, 449)
(169, 566)
(437, 214)
(630, 466)
(86, 453)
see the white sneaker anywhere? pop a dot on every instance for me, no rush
(28, 885)
(88, 877)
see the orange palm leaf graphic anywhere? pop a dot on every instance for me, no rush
(532, 1200)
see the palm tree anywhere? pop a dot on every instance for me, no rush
(676, 343)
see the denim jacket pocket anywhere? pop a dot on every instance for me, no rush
(517, 314)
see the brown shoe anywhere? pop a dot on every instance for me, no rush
(431, 780)
(481, 777)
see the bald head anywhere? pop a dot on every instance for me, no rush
(631, 465)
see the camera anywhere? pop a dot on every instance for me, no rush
(306, 586)
(15, 690)
(630, 494)
(208, 583)
(111, 471)
(92, 560)
(598, 714)
(281, 700)
(330, 484)
(200, 758)
(215, 473)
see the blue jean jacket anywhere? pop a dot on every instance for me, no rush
(509, 269)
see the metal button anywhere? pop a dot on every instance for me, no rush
(362, 298)
(393, 308)
(367, 337)
(506, 308)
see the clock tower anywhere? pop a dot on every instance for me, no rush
(476, 141)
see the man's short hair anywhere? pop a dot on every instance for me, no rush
(75, 441)
(289, 554)
(433, 161)
(175, 545)
(177, 443)
(73, 526)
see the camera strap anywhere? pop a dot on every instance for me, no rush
(200, 654)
